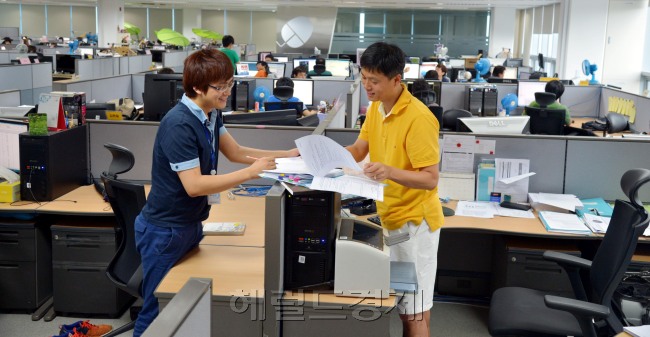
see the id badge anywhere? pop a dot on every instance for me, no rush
(214, 199)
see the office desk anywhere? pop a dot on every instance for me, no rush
(249, 210)
(237, 275)
(84, 201)
(20, 207)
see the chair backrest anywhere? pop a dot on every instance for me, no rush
(436, 111)
(614, 254)
(546, 121)
(426, 96)
(544, 99)
(450, 118)
(283, 93)
(127, 200)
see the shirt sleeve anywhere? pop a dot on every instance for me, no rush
(422, 143)
(180, 147)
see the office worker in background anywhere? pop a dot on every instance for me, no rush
(407, 162)
(499, 71)
(269, 58)
(320, 64)
(299, 72)
(287, 82)
(442, 72)
(431, 75)
(7, 40)
(183, 175)
(228, 43)
(555, 87)
(166, 70)
(262, 69)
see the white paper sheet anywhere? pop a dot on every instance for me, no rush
(458, 153)
(350, 185)
(322, 154)
(511, 168)
(485, 146)
(476, 209)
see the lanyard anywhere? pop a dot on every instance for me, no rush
(213, 154)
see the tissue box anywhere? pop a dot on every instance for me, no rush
(9, 192)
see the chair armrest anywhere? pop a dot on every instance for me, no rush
(566, 260)
(584, 312)
(572, 266)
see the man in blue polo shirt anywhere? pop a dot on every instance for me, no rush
(184, 180)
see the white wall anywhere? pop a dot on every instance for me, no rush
(111, 16)
(624, 44)
(191, 19)
(502, 30)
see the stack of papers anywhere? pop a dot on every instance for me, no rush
(563, 223)
(597, 224)
(319, 168)
(563, 203)
(224, 228)
(484, 209)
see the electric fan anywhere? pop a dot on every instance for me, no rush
(92, 38)
(590, 69)
(482, 67)
(73, 46)
(21, 48)
(509, 103)
(261, 94)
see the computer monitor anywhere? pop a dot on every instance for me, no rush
(305, 63)
(66, 63)
(426, 66)
(98, 110)
(411, 71)
(282, 58)
(458, 63)
(302, 89)
(279, 117)
(9, 146)
(338, 67)
(161, 93)
(413, 59)
(496, 125)
(509, 73)
(513, 62)
(546, 121)
(242, 69)
(261, 56)
(277, 69)
(275, 106)
(526, 91)
(156, 55)
(252, 68)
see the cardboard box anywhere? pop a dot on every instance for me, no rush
(9, 192)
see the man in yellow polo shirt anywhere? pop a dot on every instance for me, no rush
(401, 136)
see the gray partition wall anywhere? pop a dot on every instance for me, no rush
(100, 89)
(582, 101)
(594, 166)
(30, 79)
(9, 98)
(641, 104)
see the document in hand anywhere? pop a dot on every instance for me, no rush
(563, 223)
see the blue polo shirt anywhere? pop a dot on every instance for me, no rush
(183, 142)
(292, 99)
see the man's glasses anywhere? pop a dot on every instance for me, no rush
(223, 89)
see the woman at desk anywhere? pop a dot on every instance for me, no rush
(184, 179)
(262, 69)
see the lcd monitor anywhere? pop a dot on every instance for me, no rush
(338, 67)
(411, 71)
(278, 117)
(242, 69)
(277, 69)
(496, 125)
(9, 142)
(303, 90)
(282, 58)
(274, 106)
(66, 63)
(305, 63)
(426, 66)
(161, 93)
(510, 72)
(526, 91)
(86, 53)
(251, 66)
(98, 110)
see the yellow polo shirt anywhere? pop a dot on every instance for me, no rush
(406, 138)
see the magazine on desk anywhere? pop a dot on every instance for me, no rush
(330, 166)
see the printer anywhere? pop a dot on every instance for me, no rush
(362, 264)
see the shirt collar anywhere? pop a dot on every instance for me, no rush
(196, 111)
(402, 102)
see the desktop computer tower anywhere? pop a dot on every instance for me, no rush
(475, 100)
(244, 95)
(311, 219)
(53, 165)
(490, 98)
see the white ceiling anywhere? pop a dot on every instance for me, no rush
(268, 5)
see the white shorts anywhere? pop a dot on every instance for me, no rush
(422, 250)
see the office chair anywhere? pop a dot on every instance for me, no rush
(546, 121)
(127, 200)
(427, 97)
(516, 311)
(450, 118)
(437, 112)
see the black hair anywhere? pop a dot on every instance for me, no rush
(269, 55)
(265, 65)
(320, 60)
(431, 74)
(298, 70)
(227, 40)
(387, 59)
(555, 87)
(284, 82)
(420, 85)
(498, 70)
(166, 70)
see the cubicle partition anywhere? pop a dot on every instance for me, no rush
(30, 79)
(9, 98)
(100, 89)
(96, 68)
(622, 102)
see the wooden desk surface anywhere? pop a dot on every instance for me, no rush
(20, 206)
(232, 269)
(81, 201)
(249, 210)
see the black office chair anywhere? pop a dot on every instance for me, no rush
(516, 311)
(127, 200)
(427, 97)
(450, 118)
